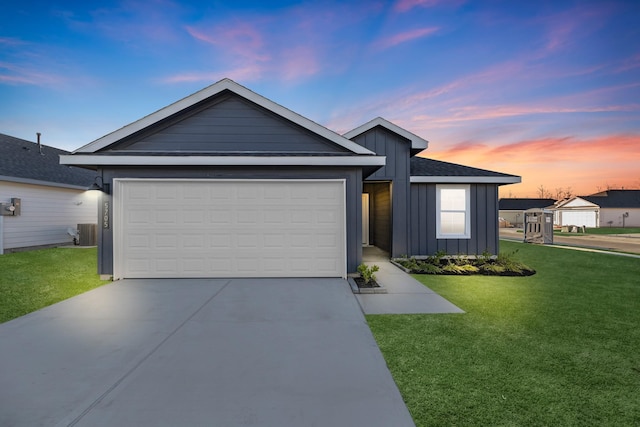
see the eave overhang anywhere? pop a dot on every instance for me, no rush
(88, 160)
(465, 179)
(417, 143)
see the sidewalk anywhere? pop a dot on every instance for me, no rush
(405, 295)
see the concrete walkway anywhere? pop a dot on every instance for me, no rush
(241, 352)
(405, 295)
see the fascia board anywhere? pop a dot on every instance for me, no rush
(214, 89)
(18, 180)
(417, 143)
(101, 160)
(465, 179)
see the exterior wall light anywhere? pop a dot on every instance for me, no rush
(102, 186)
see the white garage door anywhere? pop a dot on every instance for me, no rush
(579, 218)
(222, 228)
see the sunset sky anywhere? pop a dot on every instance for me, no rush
(548, 90)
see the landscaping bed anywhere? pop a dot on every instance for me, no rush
(502, 265)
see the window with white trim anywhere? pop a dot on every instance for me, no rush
(453, 216)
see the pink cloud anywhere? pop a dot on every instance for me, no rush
(406, 5)
(243, 40)
(15, 74)
(629, 63)
(580, 163)
(240, 74)
(405, 37)
(299, 62)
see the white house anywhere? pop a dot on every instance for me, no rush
(618, 208)
(39, 198)
(576, 211)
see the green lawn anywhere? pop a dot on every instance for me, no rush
(604, 230)
(35, 279)
(559, 348)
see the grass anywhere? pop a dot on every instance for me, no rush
(603, 230)
(557, 348)
(35, 279)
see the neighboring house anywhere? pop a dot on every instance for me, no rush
(52, 196)
(511, 209)
(576, 211)
(618, 208)
(226, 183)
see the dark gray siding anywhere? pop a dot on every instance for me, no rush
(228, 124)
(397, 150)
(484, 222)
(352, 175)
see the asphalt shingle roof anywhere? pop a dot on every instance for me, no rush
(421, 166)
(524, 204)
(615, 199)
(20, 158)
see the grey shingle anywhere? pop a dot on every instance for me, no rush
(421, 166)
(20, 158)
(615, 199)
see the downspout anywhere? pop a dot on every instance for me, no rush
(1, 235)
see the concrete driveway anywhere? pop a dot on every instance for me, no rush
(241, 352)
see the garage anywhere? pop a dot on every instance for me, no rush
(166, 228)
(579, 218)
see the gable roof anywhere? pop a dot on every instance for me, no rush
(575, 202)
(417, 144)
(615, 199)
(515, 204)
(22, 161)
(211, 91)
(425, 170)
(96, 153)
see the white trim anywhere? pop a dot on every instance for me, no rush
(81, 159)
(465, 179)
(117, 208)
(38, 182)
(214, 89)
(467, 212)
(417, 143)
(365, 219)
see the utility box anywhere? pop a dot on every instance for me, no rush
(87, 234)
(538, 226)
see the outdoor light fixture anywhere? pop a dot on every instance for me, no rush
(99, 187)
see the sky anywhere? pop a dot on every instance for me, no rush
(547, 90)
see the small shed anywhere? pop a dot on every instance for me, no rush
(538, 226)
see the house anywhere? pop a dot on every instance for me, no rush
(511, 209)
(227, 183)
(40, 198)
(576, 211)
(618, 208)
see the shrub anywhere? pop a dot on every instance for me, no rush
(502, 265)
(367, 273)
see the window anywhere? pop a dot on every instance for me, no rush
(453, 212)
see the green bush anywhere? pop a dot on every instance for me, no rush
(367, 273)
(502, 265)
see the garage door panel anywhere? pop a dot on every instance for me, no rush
(586, 218)
(231, 228)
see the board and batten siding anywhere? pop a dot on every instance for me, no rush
(228, 124)
(484, 222)
(353, 192)
(46, 214)
(398, 152)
